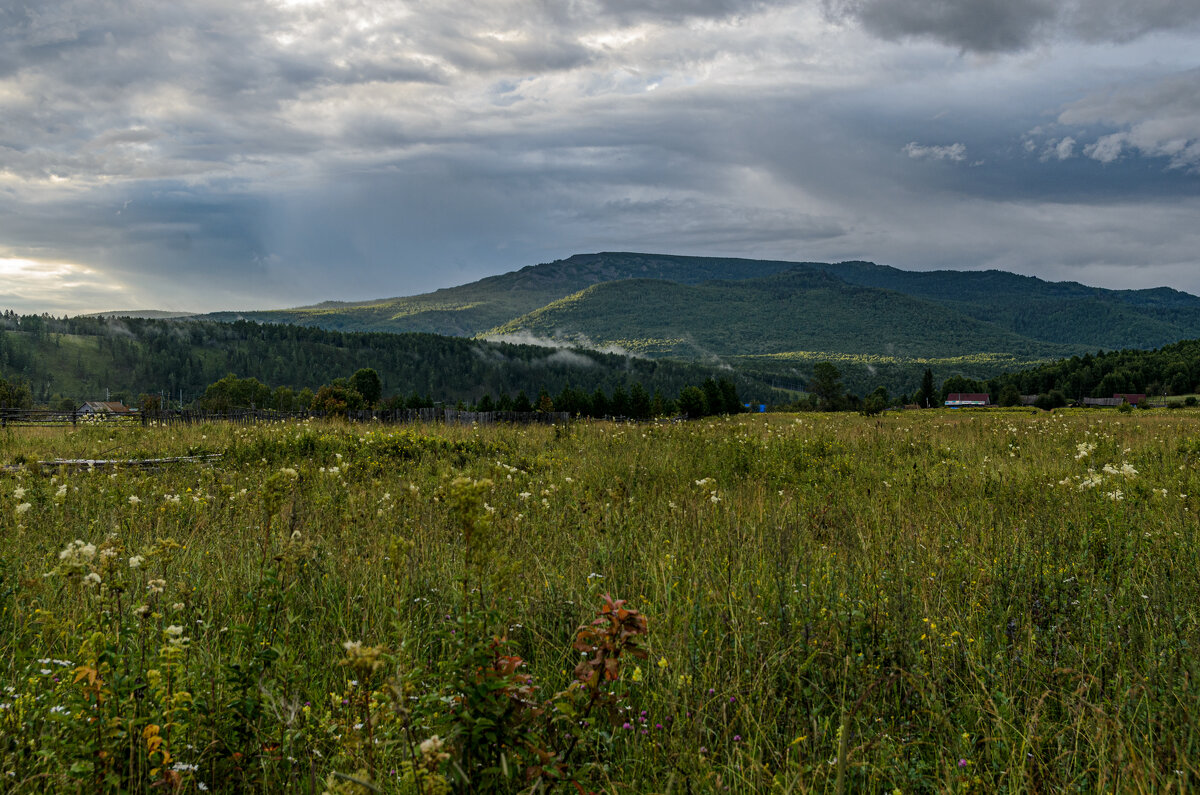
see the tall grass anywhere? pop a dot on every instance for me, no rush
(992, 602)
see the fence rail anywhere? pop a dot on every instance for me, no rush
(41, 417)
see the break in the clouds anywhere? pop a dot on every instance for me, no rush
(236, 154)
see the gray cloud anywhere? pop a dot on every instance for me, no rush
(231, 154)
(992, 26)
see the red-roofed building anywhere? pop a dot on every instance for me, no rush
(1130, 398)
(957, 400)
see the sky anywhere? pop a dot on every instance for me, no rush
(195, 155)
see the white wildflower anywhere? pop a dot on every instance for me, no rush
(136, 562)
(92, 579)
(23, 507)
(156, 586)
(134, 499)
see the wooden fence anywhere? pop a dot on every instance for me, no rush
(41, 417)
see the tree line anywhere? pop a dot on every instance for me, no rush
(69, 360)
(364, 390)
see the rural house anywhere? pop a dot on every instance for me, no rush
(103, 408)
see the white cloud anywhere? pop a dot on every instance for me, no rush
(1158, 116)
(1060, 150)
(956, 151)
(1107, 148)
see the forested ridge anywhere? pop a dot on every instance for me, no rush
(88, 357)
(1170, 370)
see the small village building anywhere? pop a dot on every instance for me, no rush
(103, 408)
(958, 400)
(1117, 399)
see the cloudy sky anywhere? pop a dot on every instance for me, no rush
(207, 154)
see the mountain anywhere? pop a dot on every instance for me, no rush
(1040, 316)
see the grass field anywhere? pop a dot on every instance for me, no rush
(927, 601)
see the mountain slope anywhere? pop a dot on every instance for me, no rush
(800, 310)
(473, 308)
(1059, 312)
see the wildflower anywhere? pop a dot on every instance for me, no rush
(662, 662)
(23, 507)
(92, 579)
(136, 562)
(962, 763)
(362, 659)
(156, 586)
(431, 750)
(61, 493)
(177, 606)
(18, 493)
(134, 499)
(142, 612)
(637, 674)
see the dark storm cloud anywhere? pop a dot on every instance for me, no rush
(990, 26)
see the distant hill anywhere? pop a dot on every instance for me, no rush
(83, 358)
(1041, 316)
(142, 314)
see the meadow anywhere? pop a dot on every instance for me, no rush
(928, 601)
